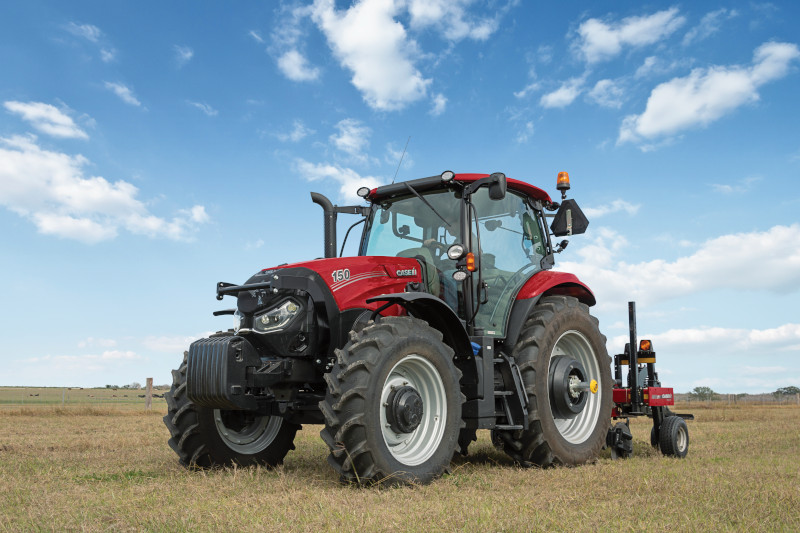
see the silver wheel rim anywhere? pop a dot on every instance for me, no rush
(252, 438)
(419, 445)
(579, 428)
(682, 440)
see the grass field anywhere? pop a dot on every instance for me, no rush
(97, 468)
(73, 396)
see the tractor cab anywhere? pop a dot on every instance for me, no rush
(478, 239)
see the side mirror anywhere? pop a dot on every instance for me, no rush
(569, 220)
(497, 186)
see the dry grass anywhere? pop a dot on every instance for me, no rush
(12, 398)
(112, 470)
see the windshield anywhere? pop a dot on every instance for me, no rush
(511, 246)
(407, 227)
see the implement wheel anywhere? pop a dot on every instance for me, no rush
(674, 437)
(393, 406)
(561, 353)
(206, 437)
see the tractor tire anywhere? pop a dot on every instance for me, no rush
(205, 437)
(393, 405)
(674, 437)
(654, 436)
(561, 331)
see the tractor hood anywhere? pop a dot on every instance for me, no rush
(349, 280)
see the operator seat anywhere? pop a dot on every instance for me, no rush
(431, 273)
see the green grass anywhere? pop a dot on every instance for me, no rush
(111, 469)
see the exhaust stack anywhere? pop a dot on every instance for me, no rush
(330, 223)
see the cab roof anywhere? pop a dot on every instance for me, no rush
(435, 182)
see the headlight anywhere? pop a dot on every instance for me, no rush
(237, 321)
(276, 318)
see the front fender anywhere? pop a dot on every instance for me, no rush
(436, 313)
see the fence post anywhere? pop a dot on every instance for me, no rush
(797, 396)
(63, 396)
(148, 400)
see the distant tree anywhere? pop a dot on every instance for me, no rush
(786, 391)
(702, 394)
(108, 386)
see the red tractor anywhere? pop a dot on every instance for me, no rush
(449, 320)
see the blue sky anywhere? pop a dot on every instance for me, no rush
(149, 150)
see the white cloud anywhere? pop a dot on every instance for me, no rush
(721, 263)
(89, 32)
(296, 67)
(204, 107)
(183, 54)
(51, 190)
(94, 35)
(707, 94)
(298, 133)
(564, 95)
(740, 187)
(286, 45)
(107, 55)
(47, 119)
(92, 342)
(393, 157)
(607, 93)
(367, 40)
(256, 36)
(544, 53)
(653, 66)
(614, 207)
(531, 87)
(599, 40)
(349, 180)
(451, 19)
(124, 92)
(352, 138)
(726, 340)
(254, 245)
(709, 25)
(439, 104)
(525, 133)
(175, 344)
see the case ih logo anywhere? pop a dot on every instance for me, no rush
(407, 272)
(662, 396)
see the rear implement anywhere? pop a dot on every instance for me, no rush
(644, 396)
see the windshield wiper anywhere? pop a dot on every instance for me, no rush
(424, 201)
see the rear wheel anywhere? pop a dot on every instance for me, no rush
(208, 437)
(562, 354)
(393, 406)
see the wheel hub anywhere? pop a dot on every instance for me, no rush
(404, 409)
(566, 377)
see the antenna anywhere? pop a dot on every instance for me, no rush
(401, 159)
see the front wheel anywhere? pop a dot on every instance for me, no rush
(208, 437)
(393, 406)
(567, 376)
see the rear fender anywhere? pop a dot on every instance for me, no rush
(544, 283)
